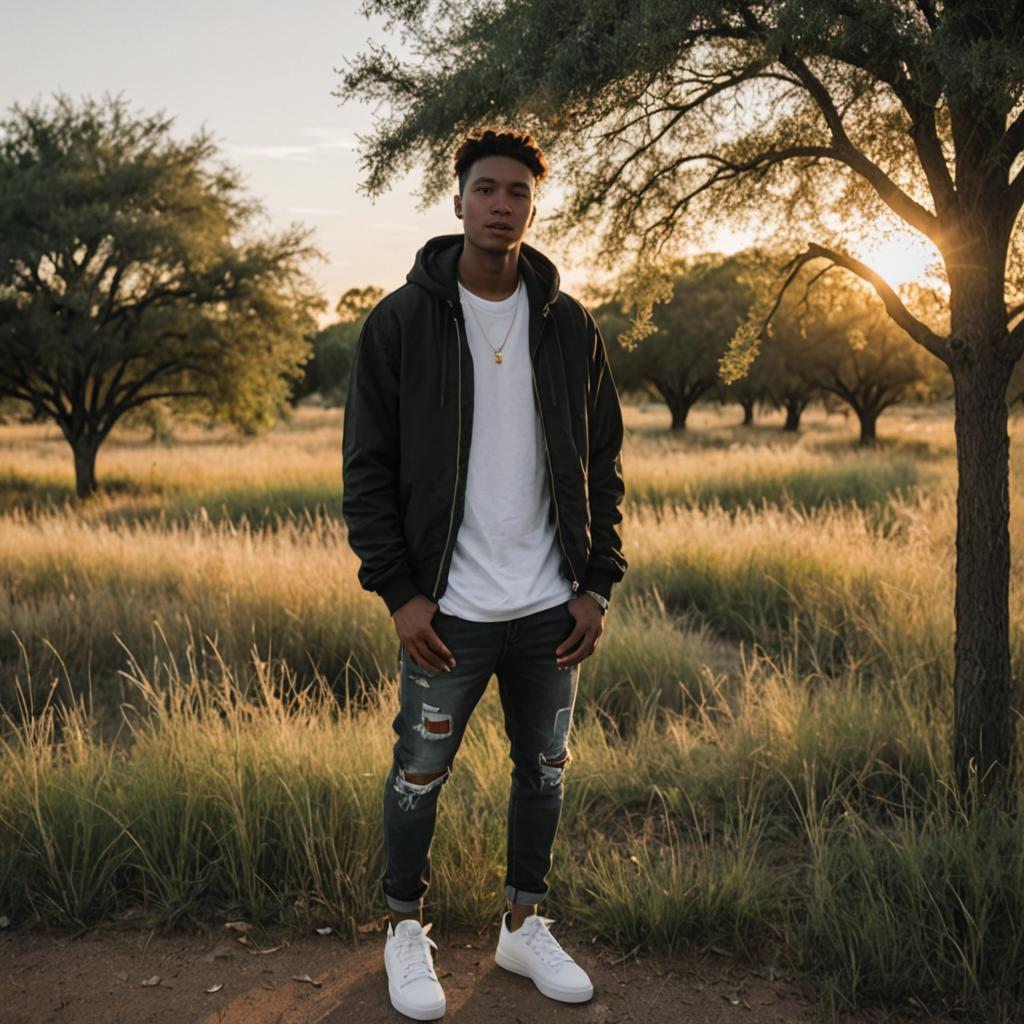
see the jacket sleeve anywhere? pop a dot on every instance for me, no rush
(604, 476)
(370, 459)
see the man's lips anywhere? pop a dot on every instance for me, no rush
(498, 226)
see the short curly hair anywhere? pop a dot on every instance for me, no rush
(488, 142)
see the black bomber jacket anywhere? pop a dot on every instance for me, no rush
(409, 424)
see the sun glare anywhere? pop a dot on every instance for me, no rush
(900, 259)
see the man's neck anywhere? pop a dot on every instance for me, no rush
(489, 275)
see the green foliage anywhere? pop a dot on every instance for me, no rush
(130, 271)
(931, 911)
(335, 346)
(678, 358)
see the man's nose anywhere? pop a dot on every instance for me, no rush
(499, 204)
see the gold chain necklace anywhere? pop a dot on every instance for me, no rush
(508, 333)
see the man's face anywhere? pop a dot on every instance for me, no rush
(496, 206)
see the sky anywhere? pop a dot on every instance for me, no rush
(259, 76)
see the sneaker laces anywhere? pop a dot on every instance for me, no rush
(544, 944)
(414, 956)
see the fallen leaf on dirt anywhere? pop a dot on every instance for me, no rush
(324, 931)
(272, 949)
(121, 975)
(718, 951)
(268, 985)
(150, 982)
(238, 926)
(733, 997)
(4, 921)
(370, 926)
(216, 988)
(306, 979)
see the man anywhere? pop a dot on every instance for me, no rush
(483, 490)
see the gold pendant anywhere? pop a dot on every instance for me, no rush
(497, 357)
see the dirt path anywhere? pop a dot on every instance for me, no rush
(106, 977)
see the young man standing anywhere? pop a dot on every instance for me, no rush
(483, 492)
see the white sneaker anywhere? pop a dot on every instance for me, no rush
(412, 983)
(532, 951)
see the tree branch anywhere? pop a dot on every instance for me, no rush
(679, 111)
(130, 388)
(142, 399)
(917, 329)
(888, 191)
(726, 171)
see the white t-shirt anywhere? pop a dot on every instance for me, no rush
(506, 557)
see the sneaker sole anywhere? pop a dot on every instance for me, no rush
(417, 1012)
(509, 963)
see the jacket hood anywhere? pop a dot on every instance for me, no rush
(434, 270)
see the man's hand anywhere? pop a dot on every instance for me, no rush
(414, 629)
(580, 643)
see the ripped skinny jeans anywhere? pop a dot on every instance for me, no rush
(537, 699)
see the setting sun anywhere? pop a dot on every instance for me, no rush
(900, 259)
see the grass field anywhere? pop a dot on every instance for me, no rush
(198, 701)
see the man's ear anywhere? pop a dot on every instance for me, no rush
(533, 214)
(457, 199)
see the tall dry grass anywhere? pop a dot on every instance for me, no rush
(761, 746)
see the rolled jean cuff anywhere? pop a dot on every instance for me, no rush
(514, 895)
(403, 906)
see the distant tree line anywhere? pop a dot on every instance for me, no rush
(326, 371)
(834, 339)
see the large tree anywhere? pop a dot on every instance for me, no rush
(788, 387)
(678, 361)
(129, 271)
(666, 115)
(841, 341)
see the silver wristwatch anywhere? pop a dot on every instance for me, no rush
(599, 598)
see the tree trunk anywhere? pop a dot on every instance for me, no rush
(680, 409)
(982, 686)
(868, 421)
(794, 410)
(748, 412)
(85, 450)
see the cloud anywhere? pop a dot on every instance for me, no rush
(327, 138)
(324, 141)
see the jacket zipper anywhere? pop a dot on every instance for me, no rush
(458, 451)
(551, 472)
